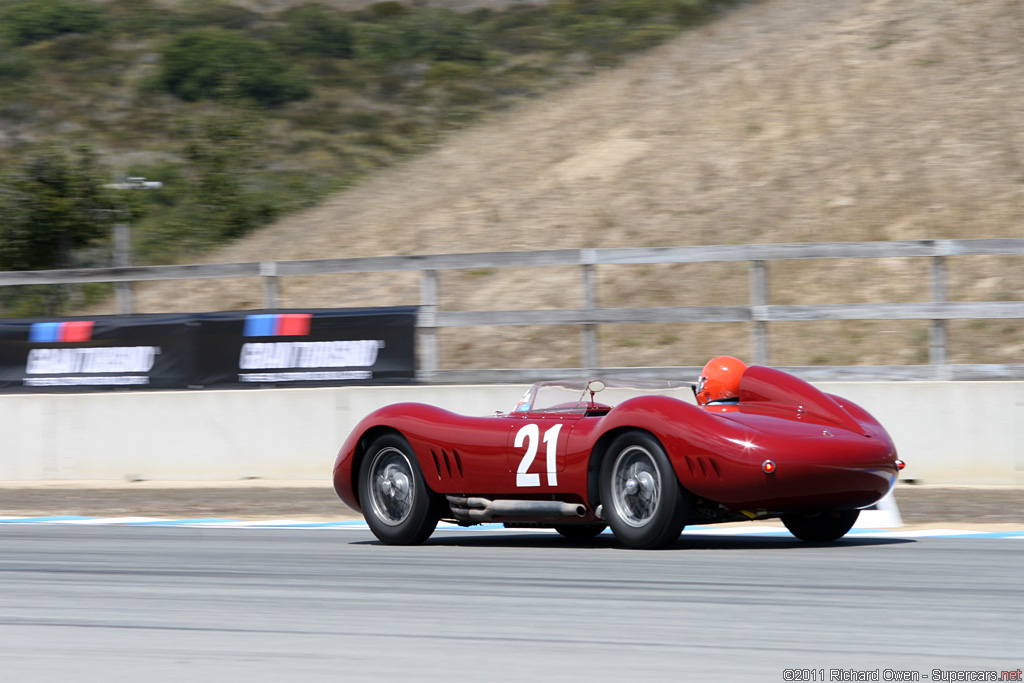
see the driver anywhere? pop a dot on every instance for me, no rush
(719, 382)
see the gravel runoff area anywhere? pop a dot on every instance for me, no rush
(315, 501)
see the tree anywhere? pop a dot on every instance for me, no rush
(52, 203)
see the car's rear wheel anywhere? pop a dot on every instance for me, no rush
(820, 527)
(396, 501)
(580, 532)
(641, 496)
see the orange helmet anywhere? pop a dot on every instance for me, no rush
(720, 379)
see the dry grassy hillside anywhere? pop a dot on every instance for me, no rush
(786, 121)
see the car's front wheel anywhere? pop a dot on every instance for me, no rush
(396, 501)
(820, 527)
(641, 496)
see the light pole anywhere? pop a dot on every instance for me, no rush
(122, 256)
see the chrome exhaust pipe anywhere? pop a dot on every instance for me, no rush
(482, 509)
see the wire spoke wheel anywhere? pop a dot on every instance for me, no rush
(399, 507)
(643, 502)
(392, 490)
(636, 486)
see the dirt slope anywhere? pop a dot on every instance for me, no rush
(787, 120)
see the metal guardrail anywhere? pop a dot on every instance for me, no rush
(758, 313)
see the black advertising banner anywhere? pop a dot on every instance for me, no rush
(313, 347)
(105, 352)
(310, 347)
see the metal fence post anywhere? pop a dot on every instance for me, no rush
(268, 269)
(937, 332)
(759, 300)
(123, 259)
(123, 241)
(588, 333)
(429, 348)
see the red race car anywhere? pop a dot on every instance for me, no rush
(580, 455)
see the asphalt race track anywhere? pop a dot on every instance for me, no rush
(134, 603)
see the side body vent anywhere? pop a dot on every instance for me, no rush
(447, 465)
(705, 468)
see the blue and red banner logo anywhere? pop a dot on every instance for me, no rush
(277, 325)
(71, 331)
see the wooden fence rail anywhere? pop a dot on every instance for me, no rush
(758, 312)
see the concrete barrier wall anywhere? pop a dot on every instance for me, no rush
(948, 433)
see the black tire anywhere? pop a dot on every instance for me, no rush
(642, 499)
(820, 527)
(580, 532)
(397, 504)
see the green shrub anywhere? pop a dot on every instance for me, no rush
(467, 94)
(14, 66)
(445, 36)
(599, 36)
(637, 10)
(385, 10)
(382, 43)
(645, 36)
(440, 72)
(75, 47)
(530, 38)
(205, 13)
(203, 63)
(137, 18)
(222, 150)
(516, 16)
(315, 31)
(563, 13)
(30, 21)
(435, 34)
(689, 12)
(367, 120)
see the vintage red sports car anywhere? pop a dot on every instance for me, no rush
(580, 455)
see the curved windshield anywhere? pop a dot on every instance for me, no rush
(573, 395)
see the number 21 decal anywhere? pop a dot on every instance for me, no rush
(531, 435)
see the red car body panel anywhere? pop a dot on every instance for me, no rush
(828, 453)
